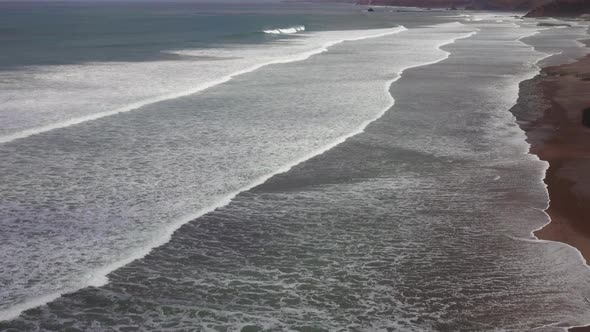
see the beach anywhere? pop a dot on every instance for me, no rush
(550, 110)
(559, 137)
(287, 167)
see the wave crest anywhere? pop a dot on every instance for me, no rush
(286, 31)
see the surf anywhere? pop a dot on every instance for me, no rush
(98, 276)
(302, 50)
(286, 31)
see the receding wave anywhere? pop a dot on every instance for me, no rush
(286, 31)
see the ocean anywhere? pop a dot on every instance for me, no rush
(276, 166)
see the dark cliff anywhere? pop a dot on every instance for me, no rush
(535, 8)
(522, 5)
(561, 8)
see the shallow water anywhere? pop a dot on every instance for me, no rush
(420, 222)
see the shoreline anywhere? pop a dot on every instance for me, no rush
(559, 137)
(567, 150)
(549, 110)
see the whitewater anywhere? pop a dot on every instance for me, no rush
(117, 247)
(56, 105)
(341, 178)
(288, 31)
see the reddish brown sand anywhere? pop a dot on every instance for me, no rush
(567, 149)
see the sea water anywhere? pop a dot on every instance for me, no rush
(274, 167)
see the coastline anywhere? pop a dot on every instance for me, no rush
(549, 110)
(558, 136)
(568, 152)
(239, 244)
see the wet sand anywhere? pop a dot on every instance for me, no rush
(550, 110)
(558, 136)
(567, 150)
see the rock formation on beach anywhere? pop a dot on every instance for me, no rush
(586, 117)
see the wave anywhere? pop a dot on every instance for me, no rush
(98, 277)
(539, 65)
(279, 59)
(286, 31)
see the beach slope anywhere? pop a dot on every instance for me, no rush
(550, 110)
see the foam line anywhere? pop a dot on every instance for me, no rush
(199, 88)
(99, 278)
(533, 238)
(287, 31)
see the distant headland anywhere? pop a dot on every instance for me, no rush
(533, 8)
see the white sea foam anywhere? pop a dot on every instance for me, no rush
(552, 50)
(40, 99)
(564, 43)
(539, 64)
(286, 31)
(166, 233)
(14, 311)
(416, 52)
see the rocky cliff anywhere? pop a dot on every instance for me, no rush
(561, 8)
(523, 5)
(535, 8)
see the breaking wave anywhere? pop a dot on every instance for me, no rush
(286, 31)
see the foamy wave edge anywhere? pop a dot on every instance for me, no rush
(286, 31)
(199, 88)
(533, 238)
(98, 278)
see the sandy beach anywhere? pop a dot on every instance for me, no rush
(567, 150)
(264, 166)
(558, 136)
(550, 110)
